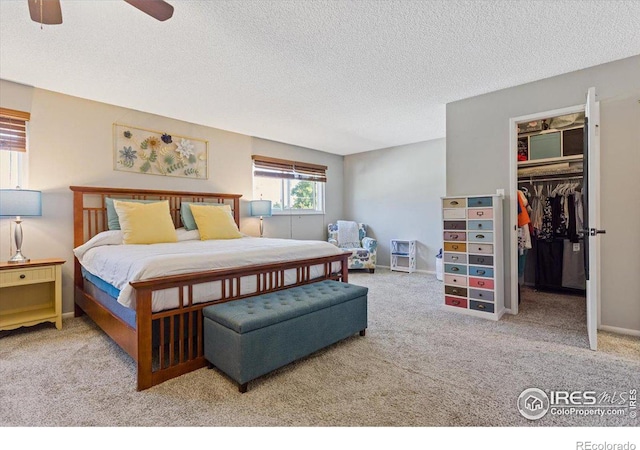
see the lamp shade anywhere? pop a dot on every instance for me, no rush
(261, 208)
(20, 202)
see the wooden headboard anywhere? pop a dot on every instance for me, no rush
(90, 211)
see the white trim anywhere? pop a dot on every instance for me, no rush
(430, 272)
(618, 330)
(297, 212)
(513, 188)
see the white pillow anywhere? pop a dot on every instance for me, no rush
(111, 237)
(187, 235)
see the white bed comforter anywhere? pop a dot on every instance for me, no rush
(105, 257)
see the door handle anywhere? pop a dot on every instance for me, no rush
(594, 231)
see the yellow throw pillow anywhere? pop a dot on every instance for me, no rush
(145, 223)
(214, 223)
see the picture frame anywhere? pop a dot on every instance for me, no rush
(151, 152)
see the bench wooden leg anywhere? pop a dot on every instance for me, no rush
(242, 388)
(363, 332)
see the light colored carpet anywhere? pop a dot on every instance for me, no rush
(417, 366)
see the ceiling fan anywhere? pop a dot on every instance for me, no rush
(48, 12)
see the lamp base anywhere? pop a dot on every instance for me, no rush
(18, 258)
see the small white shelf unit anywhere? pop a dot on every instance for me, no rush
(403, 255)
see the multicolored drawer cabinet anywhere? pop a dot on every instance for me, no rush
(473, 270)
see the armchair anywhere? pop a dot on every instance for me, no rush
(343, 234)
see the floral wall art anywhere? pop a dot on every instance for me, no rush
(159, 153)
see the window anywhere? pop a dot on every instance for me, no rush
(290, 185)
(13, 148)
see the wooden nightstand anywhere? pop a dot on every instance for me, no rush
(31, 293)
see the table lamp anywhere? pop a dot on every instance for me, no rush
(19, 203)
(261, 208)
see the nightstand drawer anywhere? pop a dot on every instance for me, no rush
(27, 276)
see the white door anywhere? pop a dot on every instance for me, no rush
(592, 229)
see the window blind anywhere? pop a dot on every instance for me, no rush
(264, 166)
(13, 130)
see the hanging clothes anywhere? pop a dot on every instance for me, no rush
(557, 219)
(524, 233)
(546, 229)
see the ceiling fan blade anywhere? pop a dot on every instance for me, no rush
(47, 12)
(157, 9)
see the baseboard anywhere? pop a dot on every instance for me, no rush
(618, 330)
(431, 272)
(69, 315)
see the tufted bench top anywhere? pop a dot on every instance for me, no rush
(262, 310)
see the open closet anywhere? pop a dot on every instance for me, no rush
(551, 209)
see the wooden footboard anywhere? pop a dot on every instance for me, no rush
(169, 343)
(179, 341)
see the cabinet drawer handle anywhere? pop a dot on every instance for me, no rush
(454, 202)
(455, 269)
(455, 291)
(454, 236)
(22, 276)
(479, 295)
(480, 213)
(480, 283)
(454, 258)
(480, 236)
(479, 249)
(481, 272)
(455, 247)
(481, 306)
(455, 281)
(455, 302)
(480, 260)
(479, 225)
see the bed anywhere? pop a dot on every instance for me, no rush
(157, 317)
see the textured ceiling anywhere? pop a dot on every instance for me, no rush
(339, 76)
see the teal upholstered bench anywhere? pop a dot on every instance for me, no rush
(251, 337)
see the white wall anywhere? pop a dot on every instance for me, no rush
(396, 192)
(70, 143)
(478, 162)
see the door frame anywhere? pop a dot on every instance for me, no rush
(513, 193)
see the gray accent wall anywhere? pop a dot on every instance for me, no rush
(477, 162)
(396, 192)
